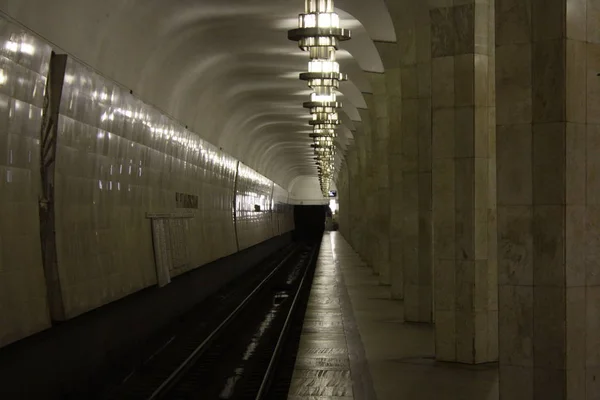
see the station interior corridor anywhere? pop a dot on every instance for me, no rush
(357, 345)
(154, 153)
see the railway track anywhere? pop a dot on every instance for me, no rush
(234, 350)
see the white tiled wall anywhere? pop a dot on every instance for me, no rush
(283, 213)
(23, 70)
(253, 189)
(118, 160)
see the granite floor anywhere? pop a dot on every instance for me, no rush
(355, 344)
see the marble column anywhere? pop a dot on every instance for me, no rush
(368, 192)
(548, 149)
(416, 168)
(390, 54)
(380, 142)
(396, 190)
(353, 195)
(343, 188)
(410, 159)
(463, 214)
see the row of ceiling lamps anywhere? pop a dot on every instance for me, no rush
(319, 33)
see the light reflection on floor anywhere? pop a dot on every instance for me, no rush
(323, 367)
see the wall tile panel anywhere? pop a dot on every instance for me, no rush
(23, 71)
(253, 190)
(120, 159)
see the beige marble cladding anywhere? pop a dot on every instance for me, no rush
(354, 196)
(364, 184)
(402, 86)
(416, 168)
(380, 142)
(344, 198)
(369, 120)
(367, 186)
(356, 190)
(343, 188)
(24, 61)
(395, 176)
(464, 213)
(546, 73)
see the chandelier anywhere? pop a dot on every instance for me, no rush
(319, 34)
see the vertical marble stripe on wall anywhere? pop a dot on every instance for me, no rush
(24, 62)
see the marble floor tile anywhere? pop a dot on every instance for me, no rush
(356, 346)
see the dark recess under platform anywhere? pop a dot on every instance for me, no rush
(75, 356)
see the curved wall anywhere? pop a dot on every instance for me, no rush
(125, 175)
(306, 190)
(283, 211)
(224, 68)
(254, 205)
(23, 304)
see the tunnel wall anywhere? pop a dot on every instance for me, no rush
(122, 167)
(283, 211)
(23, 302)
(309, 222)
(253, 190)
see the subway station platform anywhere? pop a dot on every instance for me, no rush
(356, 345)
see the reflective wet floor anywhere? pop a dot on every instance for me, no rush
(355, 345)
(323, 364)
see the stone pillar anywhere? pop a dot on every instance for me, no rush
(380, 142)
(465, 296)
(548, 149)
(353, 194)
(390, 54)
(367, 183)
(410, 159)
(396, 212)
(343, 188)
(417, 237)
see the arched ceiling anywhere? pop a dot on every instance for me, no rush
(225, 68)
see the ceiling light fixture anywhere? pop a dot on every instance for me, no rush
(319, 33)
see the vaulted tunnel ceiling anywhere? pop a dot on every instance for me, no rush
(225, 68)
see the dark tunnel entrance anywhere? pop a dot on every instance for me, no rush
(309, 222)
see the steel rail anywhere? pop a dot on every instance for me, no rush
(188, 362)
(264, 386)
